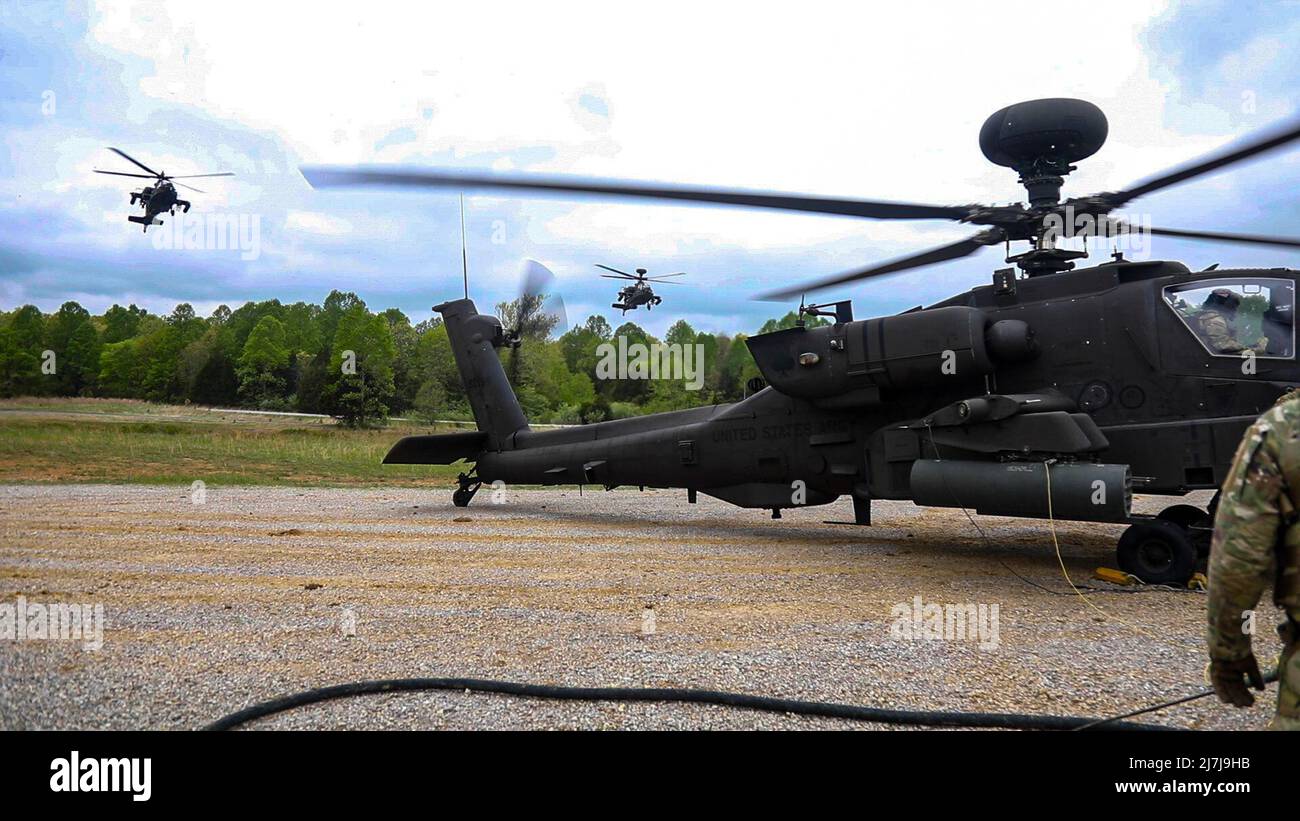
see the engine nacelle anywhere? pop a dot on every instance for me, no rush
(912, 350)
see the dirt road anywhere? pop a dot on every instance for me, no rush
(210, 607)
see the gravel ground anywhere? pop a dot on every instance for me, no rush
(214, 606)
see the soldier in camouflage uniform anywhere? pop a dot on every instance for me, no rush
(1257, 541)
(1217, 323)
(1293, 393)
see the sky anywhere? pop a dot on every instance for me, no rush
(876, 100)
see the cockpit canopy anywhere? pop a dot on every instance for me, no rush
(1233, 315)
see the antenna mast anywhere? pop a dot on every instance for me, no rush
(464, 254)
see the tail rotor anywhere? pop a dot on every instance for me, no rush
(537, 314)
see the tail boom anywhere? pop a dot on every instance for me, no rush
(474, 340)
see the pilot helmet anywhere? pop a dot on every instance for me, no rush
(1222, 298)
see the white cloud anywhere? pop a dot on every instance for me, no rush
(881, 101)
(314, 222)
(829, 97)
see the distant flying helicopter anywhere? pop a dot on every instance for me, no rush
(159, 197)
(638, 292)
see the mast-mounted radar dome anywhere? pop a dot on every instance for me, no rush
(1040, 138)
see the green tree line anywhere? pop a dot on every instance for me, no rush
(341, 359)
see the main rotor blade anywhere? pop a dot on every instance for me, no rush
(192, 188)
(611, 276)
(1253, 239)
(196, 176)
(1259, 145)
(664, 276)
(615, 270)
(129, 158)
(126, 174)
(943, 253)
(324, 176)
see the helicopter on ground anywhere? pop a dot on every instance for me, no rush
(1049, 393)
(638, 292)
(159, 197)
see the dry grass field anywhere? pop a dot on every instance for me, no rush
(125, 441)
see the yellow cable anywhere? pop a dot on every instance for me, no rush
(1051, 522)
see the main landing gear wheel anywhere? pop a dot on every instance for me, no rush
(1196, 523)
(1157, 552)
(1184, 515)
(461, 496)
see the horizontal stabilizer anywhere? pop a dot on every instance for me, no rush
(437, 449)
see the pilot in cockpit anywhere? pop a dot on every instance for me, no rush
(1216, 322)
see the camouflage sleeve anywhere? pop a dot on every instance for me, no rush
(1218, 335)
(1294, 393)
(1245, 536)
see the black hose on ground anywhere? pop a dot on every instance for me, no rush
(850, 712)
(1268, 679)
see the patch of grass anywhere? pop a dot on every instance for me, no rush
(45, 442)
(169, 429)
(86, 405)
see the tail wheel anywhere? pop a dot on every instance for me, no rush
(1157, 552)
(467, 486)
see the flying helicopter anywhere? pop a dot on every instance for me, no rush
(638, 292)
(159, 197)
(1049, 392)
